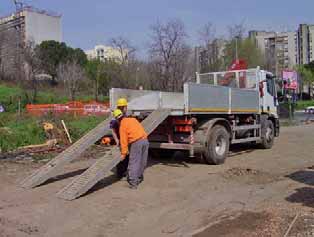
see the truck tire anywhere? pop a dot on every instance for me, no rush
(268, 135)
(217, 146)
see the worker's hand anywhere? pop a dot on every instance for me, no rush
(123, 157)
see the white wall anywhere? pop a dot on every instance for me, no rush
(41, 27)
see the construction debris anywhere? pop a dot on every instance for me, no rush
(47, 145)
(290, 226)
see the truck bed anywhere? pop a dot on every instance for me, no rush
(196, 99)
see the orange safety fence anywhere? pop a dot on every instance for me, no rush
(73, 107)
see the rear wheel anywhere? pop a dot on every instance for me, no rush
(268, 135)
(217, 146)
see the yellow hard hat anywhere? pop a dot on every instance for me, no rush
(117, 113)
(122, 102)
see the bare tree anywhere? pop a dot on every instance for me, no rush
(31, 67)
(207, 34)
(210, 52)
(124, 47)
(125, 71)
(237, 31)
(1, 54)
(10, 53)
(73, 75)
(168, 52)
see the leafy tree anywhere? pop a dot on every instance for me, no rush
(99, 73)
(32, 67)
(52, 53)
(77, 55)
(307, 73)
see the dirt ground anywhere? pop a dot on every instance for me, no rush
(255, 193)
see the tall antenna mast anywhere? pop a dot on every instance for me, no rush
(18, 5)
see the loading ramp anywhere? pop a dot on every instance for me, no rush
(102, 166)
(99, 169)
(53, 167)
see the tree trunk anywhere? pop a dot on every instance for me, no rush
(34, 87)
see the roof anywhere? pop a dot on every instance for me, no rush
(21, 12)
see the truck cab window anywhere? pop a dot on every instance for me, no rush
(270, 85)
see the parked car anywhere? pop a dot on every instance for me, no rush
(309, 110)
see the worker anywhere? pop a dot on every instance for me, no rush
(122, 104)
(133, 141)
(114, 126)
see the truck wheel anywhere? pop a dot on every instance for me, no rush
(268, 135)
(217, 146)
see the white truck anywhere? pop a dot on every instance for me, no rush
(220, 109)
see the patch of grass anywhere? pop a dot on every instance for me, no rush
(26, 130)
(79, 126)
(9, 97)
(7, 92)
(86, 98)
(302, 104)
(50, 98)
(15, 132)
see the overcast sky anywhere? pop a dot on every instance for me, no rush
(89, 22)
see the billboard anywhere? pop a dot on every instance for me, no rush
(290, 79)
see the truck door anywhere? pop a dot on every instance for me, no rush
(270, 95)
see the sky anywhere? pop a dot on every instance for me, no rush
(86, 23)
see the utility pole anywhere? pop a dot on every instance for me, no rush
(136, 77)
(197, 59)
(236, 42)
(18, 5)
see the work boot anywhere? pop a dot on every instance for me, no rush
(133, 186)
(141, 179)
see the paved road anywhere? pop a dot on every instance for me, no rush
(301, 116)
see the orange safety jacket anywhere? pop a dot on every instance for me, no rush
(130, 131)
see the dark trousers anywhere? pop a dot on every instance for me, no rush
(137, 161)
(122, 167)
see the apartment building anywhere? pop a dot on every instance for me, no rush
(305, 36)
(103, 53)
(279, 49)
(27, 24)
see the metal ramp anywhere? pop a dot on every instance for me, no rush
(52, 168)
(102, 166)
